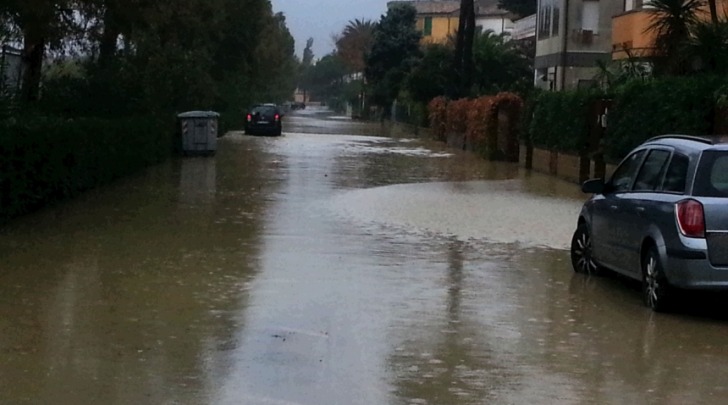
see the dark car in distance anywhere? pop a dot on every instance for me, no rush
(661, 219)
(264, 119)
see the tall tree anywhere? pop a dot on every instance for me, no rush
(500, 65)
(395, 51)
(40, 24)
(304, 70)
(708, 47)
(432, 76)
(463, 63)
(307, 59)
(354, 43)
(671, 21)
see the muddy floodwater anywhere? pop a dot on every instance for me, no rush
(334, 265)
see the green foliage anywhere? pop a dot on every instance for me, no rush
(500, 65)
(161, 56)
(45, 160)
(432, 75)
(394, 52)
(354, 43)
(677, 105)
(325, 77)
(559, 120)
(671, 23)
(144, 60)
(708, 46)
(613, 75)
(530, 102)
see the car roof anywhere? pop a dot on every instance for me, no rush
(689, 142)
(267, 105)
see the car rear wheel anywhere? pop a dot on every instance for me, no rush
(581, 251)
(657, 292)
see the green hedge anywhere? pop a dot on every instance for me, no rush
(43, 160)
(559, 120)
(678, 105)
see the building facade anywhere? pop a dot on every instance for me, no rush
(572, 36)
(438, 20)
(631, 37)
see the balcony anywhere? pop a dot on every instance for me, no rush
(630, 36)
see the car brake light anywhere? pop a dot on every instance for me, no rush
(690, 218)
(250, 117)
(277, 117)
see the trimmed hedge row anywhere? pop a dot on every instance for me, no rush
(43, 160)
(477, 123)
(640, 110)
(682, 105)
(559, 120)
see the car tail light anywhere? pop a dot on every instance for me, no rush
(250, 117)
(690, 218)
(277, 117)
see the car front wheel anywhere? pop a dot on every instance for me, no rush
(581, 251)
(656, 290)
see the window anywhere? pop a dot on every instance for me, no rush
(549, 13)
(650, 175)
(590, 17)
(712, 177)
(632, 5)
(622, 178)
(428, 26)
(676, 175)
(544, 19)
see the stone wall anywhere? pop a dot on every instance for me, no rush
(566, 166)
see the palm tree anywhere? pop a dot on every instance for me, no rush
(671, 23)
(500, 65)
(354, 43)
(708, 46)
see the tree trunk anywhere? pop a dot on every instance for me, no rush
(463, 64)
(109, 37)
(713, 11)
(468, 38)
(33, 52)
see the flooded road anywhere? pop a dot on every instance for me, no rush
(333, 266)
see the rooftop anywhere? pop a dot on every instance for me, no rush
(482, 7)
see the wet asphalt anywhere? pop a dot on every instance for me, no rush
(334, 265)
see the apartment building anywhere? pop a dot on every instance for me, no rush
(571, 37)
(438, 20)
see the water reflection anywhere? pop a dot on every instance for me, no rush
(198, 181)
(131, 294)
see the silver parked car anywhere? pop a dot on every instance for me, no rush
(662, 218)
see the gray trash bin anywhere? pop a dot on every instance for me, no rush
(199, 132)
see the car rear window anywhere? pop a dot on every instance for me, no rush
(711, 179)
(264, 110)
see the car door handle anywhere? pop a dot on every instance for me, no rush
(640, 209)
(613, 207)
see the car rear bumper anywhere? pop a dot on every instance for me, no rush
(263, 129)
(692, 270)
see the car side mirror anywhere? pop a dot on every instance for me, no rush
(593, 186)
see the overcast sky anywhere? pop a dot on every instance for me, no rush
(319, 19)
